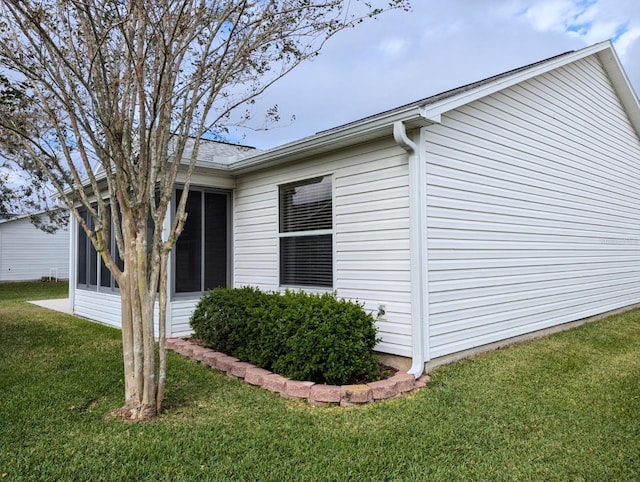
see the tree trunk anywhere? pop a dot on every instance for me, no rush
(137, 303)
(127, 343)
(162, 349)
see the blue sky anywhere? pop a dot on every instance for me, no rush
(402, 57)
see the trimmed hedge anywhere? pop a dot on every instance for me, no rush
(299, 335)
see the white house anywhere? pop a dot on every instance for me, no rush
(28, 253)
(487, 212)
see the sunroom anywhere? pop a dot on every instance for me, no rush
(200, 261)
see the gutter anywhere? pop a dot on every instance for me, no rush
(418, 247)
(349, 134)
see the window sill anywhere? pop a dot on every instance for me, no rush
(192, 295)
(307, 289)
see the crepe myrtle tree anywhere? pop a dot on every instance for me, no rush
(9, 198)
(22, 192)
(108, 98)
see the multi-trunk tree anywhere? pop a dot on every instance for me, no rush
(107, 99)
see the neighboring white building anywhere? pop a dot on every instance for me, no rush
(494, 210)
(28, 253)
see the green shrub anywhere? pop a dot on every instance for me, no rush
(296, 334)
(221, 318)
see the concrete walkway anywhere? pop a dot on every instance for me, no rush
(62, 305)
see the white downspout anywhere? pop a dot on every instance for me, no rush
(418, 248)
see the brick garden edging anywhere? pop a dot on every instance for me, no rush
(315, 393)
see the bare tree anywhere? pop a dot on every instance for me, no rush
(126, 85)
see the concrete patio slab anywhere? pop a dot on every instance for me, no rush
(62, 305)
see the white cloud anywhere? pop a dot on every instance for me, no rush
(403, 57)
(590, 21)
(626, 40)
(393, 46)
(602, 30)
(588, 15)
(552, 14)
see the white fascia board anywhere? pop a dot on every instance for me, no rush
(434, 111)
(622, 86)
(349, 134)
(216, 166)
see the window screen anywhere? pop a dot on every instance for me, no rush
(87, 255)
(189, 246)
(201, 252)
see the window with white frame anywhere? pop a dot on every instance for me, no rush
(306, 233)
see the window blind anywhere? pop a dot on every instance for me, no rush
(306, 248)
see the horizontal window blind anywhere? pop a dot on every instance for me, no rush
(306, 205)
(306, 261)
(306, 248)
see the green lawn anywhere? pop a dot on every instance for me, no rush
(563, 408)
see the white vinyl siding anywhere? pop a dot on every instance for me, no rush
(533, 209)
(179, 312)
(28, 253)
(371, 231)
(105, 308)
(99, 306)
(533, 212)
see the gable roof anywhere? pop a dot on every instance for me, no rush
(429, 110)
(450, 93)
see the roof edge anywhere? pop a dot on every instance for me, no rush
(429, 111)
(622, 86)
(435, 110)
(349, 134)
(23, 216)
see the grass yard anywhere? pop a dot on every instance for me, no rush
(562, 408)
